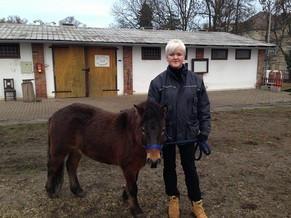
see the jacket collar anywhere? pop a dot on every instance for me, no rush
(179, 74)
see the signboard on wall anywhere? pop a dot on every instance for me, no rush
(200, 65)
(102, 61)
(26, 67)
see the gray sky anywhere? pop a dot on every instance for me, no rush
(93, 13)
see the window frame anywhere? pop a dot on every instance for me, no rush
(150, 57)
(186, 53)
(200, 60)
(242, 58)
(15, 46)
(219, 58)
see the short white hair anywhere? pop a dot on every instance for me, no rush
(173, 45)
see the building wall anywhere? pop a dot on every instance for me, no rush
(222, 75)
(11, 68)
(120, 76)
(48, 60)
(277, 59)
(145, 70)
(231, 73)
(39, 76)
(127, 70)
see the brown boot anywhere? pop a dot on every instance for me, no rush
(198, 210)
(174, 208)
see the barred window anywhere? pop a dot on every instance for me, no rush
(219, 54)
(9, 51)
(151, 53)
(243, 54)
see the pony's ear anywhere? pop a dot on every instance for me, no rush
(139, 109)
(121, 121)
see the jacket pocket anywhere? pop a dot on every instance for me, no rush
(192, 130)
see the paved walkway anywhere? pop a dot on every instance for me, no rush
(21, 112)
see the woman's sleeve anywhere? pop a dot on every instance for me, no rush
(203, 109)
(154, 93)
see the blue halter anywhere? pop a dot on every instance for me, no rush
(153, 146)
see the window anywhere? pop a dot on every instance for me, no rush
(186, 55)
(219, 54)
(199, 52)
(200, 65)
(9, 51)
(151, 53)
(243, 53)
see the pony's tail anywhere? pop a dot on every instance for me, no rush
(54, 178)
(49, 141)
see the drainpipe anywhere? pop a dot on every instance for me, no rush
(268, 41)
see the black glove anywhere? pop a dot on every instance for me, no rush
(202, 143)
(202, 138)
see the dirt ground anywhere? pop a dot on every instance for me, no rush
(247, 175)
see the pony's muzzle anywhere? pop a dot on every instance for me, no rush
(153, 158)
(155, 163)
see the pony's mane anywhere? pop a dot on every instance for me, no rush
(151, 110)
(126, 119)
(129, 118)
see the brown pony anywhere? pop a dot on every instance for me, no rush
(128, 139)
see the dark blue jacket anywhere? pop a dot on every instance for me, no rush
(188, 104)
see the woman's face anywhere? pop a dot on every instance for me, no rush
(176, 59)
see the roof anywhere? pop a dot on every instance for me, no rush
(88, 35)
(260, 22)
(257, 22)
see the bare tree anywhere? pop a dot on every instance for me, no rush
(126, 13)
(280, 17)
(225, 15)
(187, 11)
(14, 19)
(280, 27)
(244, 9)
(71, 20)
(167, 14)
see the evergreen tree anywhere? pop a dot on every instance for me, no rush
(145, 16)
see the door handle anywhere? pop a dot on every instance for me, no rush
(86, 69)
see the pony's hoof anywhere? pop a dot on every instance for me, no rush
(78, 192)
(81, 194)
(137, 212)
(52, 195)
(124, 197)
(141, 215)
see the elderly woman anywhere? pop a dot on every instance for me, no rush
(188, 121)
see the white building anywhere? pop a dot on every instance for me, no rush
(66, 61)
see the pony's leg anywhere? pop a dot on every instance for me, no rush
(131, 189)
(124, 195)
(124, 192)
(55, 175)
(72, 165)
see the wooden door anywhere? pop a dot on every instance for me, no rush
(69, 63)
(103, 72)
